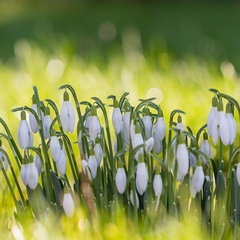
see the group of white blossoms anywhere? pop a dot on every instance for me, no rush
(219, 124)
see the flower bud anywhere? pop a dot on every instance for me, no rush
(25, 137)
(197, 181)
(231, 124)
(141, 176)
(92, 163)
(38, 164)
(117, 118)
(55, 148)
(61, 163)
(47, 121)
(23, 173)
(98, 151)
(121, 179)
(211, 115)
(180, 124)
(67, 114)
(147, 122)
(137, 140)
(32, 120)
(205, 148)
(157, 184)
(134, 201)
(68, 203)
(94, 125)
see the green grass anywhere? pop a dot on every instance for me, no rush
(182, 49)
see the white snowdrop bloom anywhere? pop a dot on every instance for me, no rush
(197, 181)
(25, 136)
(23, 173)
(38, 164)
(211, 115)
(238, 173)
(231, 124)
(92, 163)
(67, 114)
(137, 140)
(147, 122)
(149, 145)
(117, 117)
(61, 163)
(157, 147)
(136, 200)
(182, 158)
(32, 175)
(54, 148)
(32, 120)
(98, 151)
(121, 179)
(126, 123)
(86, 170)
(205, 147)
(179, 125)
(4, 160)
(94, 125)
(47, 121)
(68, 204)
(192, 160)
(157, 183)
(141, 176)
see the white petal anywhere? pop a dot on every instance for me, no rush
(180, 126)
(157, 184)
(54, 148)
(149, 145)
(61, 163)
(138, 140)
(23, 173)
(68, 204)
(94, 128)
(121, 180)
(64, 116)
(238, 173)
(25, 138)
(232, 127)
(147, 121)
(197, 180)
(141, 178)
(192, 159)
(157, 143)
(214, 130)
(224, 129)
(205, 148)
(136, 200)
(38, 164)
(92, 163)
(32, 175)
(98, 153)
(47, 121)
(86, 170)
(159, 128)
(117, 120)
(71, 117)
(32, 120)
(126, 126)
(183, 160)
(211, 116)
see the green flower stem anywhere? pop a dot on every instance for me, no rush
(12, 143)
(9, 185)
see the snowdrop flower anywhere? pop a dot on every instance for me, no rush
(3, 158)
(205, 147)
(141, 175)
(182, 158)
(54, 147)
(121, 178)
(126, 122)
(94, 125)
(23, 173)
(25, 136)
(157, 183)
(92, 163)
(47, 121)
(159, 131)
(197, 181)
(220, 127)
(147, 122)
(238, 173)
(116, 117)
(61, 163)
(211, 115)
(38, 164)
(231, 123)
(68, 203)
(31, 174)
(149, 145)
(136, 200)
(32, 120)
(137, 140)
(86, 170)
(98, 151)
(67, 114)
(192, 160)
(180, 124)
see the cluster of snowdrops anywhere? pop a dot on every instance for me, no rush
(142, 166)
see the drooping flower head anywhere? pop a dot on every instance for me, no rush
(92, 163)
(197, 181)
(179, 123)
(68, 203)
(231, 123)
(55, 146)
(137, 140)
(31, 174)
(98, 150)
(211, 115)
(25, 136)
(32, 120)
(94, 125)
(121, 178)
(117, 117)
(141, 175)
(147, 122)
(47, 121)
(157, 183)
(67, 114)
(205, 147)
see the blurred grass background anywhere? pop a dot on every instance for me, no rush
(172, 50)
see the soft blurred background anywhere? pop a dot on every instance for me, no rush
(172, 50)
